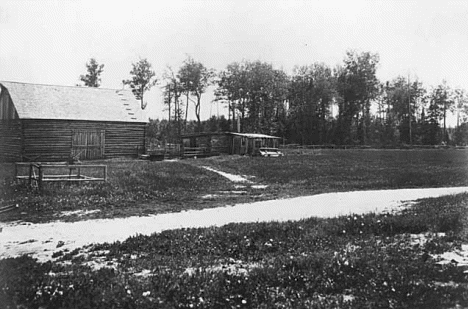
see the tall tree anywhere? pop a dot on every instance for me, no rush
(442, 99)
(431, 125)
(255, 92)
(143, 78)
(233, 90)
(357, 86)
(404, 99)
(312, 91)
(195, 79)
(461, 105)
(93, 77)
(172, 92)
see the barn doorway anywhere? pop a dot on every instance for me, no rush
(88, 144)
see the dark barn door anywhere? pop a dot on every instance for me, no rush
(88, 144)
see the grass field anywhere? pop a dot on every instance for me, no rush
(360, 261)
(369, 261)
(143, 187)
(345, 170)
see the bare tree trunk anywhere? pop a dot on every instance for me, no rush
(242, 120)
(445, 124)
(233, 118)
(186, 110)
(169, 103)
(197, 111)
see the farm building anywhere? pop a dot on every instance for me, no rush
(55, 123)
(227, 142)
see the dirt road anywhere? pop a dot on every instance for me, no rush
(42, 240)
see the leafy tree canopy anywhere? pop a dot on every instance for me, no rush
(93, 77)
(195, 79)
(143, 78)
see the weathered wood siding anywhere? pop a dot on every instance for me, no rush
(10, 140)
(214, 143)
(124, 139)
(51, 140)
(220, 144)
(88, 144)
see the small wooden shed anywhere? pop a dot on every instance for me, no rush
(249, 143)
(228, 142)
(54, 123)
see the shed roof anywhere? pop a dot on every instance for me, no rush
(34, 101)
(254, 135)
(248, 135)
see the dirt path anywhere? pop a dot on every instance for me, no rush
(42, 240)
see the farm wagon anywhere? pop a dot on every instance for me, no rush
(56, 123)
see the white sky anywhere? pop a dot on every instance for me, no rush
(49, 42)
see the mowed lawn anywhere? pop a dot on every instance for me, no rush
(137, 187)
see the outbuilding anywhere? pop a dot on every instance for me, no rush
(56, 123)
(227, 143)
(250, 143)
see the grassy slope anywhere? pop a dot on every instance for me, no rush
(348, 262)
(141, 187)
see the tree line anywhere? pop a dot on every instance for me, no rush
(317, 104)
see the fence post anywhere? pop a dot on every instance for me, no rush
(30, 174)
(105, 172)
(40, 178)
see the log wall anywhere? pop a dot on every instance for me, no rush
(51, 140)
(10, 140)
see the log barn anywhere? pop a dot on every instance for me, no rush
(56, 123)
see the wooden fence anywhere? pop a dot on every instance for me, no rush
(191, 152)
(38, 173)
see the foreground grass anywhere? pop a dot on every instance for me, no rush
(143, 187)
(364, 261)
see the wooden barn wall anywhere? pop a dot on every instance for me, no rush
(51, 140)
(10, 140)
(124, 139)
(220, 144)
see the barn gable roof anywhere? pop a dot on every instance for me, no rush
(34, 101)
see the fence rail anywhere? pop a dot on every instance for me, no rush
(195, 151)
(38, 173)
(333, 146)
